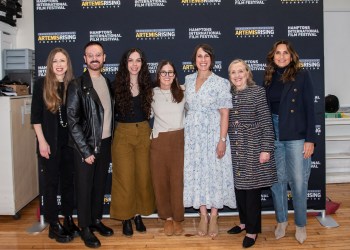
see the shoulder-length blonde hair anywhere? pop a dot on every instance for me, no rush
(291, 70)
(250, 81)
(51, 96)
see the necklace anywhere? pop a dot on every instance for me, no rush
(166, 98)
(63, 124)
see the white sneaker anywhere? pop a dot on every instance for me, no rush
(300, 234)
(280, 231)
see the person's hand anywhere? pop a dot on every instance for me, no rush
(44, 149)
(264, 157)
(220, 149)
(90, 160)
(308, 149)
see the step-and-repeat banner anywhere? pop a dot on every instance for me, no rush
(170, 29)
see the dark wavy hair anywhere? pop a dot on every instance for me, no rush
(292, 69)
(208, 49)
(121, 85)
(176, 91)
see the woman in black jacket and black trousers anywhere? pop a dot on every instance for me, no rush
(55, 158)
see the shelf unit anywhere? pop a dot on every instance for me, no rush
(337, 150)
(18, 161)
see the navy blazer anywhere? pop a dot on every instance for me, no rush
(296, 110)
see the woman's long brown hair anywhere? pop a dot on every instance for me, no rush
(51, 95)
(176, 91)
(291, 70)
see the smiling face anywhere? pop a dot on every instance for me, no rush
(282, 57)
(238, 75)
(203, 60)
(166, 76)
(94, 57)
(59, 65)
(134, 63)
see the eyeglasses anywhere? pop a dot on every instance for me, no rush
(169, 73)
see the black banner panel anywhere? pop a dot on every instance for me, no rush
(170, 29)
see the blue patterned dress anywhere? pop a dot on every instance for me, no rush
(207, 179)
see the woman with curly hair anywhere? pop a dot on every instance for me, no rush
(132, 191)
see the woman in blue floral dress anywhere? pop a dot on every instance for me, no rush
(208, 177)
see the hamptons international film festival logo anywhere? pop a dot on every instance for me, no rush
(200, 2)
(187, 67)
(41, 71)
(255, 65)
(250, 2)
(255, 32)
(57, 37)
(100, 4)
(104, 36)
(154, 34)
(203, 33)
(152, 67)
(316, 164)
(51, 5)
(302, 31)
(150, 3)
(300, 1)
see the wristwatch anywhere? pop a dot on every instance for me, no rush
(223, 139)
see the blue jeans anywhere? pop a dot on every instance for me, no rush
(294, 170)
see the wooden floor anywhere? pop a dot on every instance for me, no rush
(14, 235)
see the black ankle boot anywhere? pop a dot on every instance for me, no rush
(101, 228)
(69, 225)
(140, 227)
(127, 228)
(57, 232)
(90, 240)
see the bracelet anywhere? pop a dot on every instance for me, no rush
(223, 139)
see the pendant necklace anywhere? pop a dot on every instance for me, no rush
(166, 99)
(63, 124)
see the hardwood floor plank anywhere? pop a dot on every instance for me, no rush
(13, 234)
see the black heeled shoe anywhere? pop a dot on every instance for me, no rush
(57, 232)
(101, 228)
(140, 227)
(90, 240)
(127, 228)
(235, 230)
(69, 225)
(249, 242)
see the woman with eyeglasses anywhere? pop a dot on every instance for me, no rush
(132, 190)
(167, 147)
(208, 177)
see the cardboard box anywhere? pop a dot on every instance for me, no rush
(19, 89)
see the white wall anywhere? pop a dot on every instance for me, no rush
(336, 48)
(25, 33)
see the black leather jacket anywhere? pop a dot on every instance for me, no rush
(85, 115)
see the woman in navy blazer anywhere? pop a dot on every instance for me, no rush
(290, 97)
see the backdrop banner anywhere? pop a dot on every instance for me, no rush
(170, 29)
